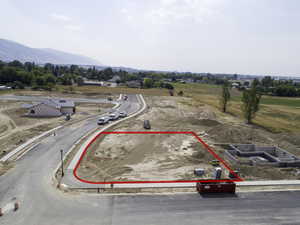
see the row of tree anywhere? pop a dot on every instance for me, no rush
(284, 88)
(250, 100)
(17, 74)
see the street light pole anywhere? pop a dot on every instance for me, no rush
(62, 162)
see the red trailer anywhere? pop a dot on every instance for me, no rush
(223, 187)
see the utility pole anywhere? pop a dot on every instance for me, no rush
(62, 162)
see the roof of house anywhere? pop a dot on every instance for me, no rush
(56, 103)
(64, 103)
(92, 82)
(115, 78)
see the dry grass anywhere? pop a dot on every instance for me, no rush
(276, 114)
(95, 90)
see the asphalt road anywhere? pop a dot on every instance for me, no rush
(43, 98)
(42, 204)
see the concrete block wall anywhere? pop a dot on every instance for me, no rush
(274, 155)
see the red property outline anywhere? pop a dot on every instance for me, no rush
(209, 149)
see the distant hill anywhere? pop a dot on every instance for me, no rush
(10, 51)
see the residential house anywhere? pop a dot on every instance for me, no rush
(3, 87)
(133, 84)
(115, 79)
(92, 83)
(51, 108)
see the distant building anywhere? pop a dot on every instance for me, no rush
(133, 84)
(235, 85)
(92, 82)
(51, 108)
(3, 87)
(115, 79)
(101, 83)
(189, 80)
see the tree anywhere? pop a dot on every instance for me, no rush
(40, 81)
(16, 63)
(49, 78)
(79, 81)
(225, 96)
(169, 86)
(148, 83)
(17, 85)
(107, 73)
(251, 99)
(8, 74)
(267, 81)
(180, 93)
(255, 83)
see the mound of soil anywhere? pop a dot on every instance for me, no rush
(224, 133)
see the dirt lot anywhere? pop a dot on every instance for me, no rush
(153, 156)
(15, 128)
(160, 157)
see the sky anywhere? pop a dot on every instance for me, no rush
(219, 36)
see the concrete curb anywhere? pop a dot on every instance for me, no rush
(268, 183)
(55, 181)
(26, 144)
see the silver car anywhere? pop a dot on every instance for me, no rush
(113, 116)
(122, 114)
(103, 120)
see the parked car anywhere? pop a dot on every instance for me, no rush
(113, 116)
(122, 114)
(103, 120)
(68, 117)
(109, 98)
(147, 124)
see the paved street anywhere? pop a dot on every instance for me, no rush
(42, 98)
(43, 204)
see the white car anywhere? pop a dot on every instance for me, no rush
(103, 120)
(122, 114)
(113, 116)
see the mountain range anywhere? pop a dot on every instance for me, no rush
(10, 50)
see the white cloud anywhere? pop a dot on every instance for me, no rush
(60, 17)
(127, 13)
(124, 11)
(170, 11)
(73, 27)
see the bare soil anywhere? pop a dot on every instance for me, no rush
(153, 156)
(174, 157)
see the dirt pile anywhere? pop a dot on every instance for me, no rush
(228, 133)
